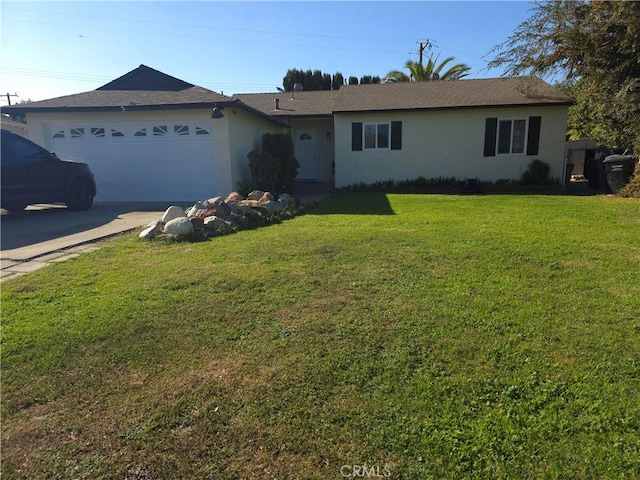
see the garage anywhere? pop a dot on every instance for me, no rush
(151, 137)
(141, 161)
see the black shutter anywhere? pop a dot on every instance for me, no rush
(490, 133)
(533, 137)
(396, 135)
(356, 136)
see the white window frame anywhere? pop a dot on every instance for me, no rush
(377, 126)
(512, 121)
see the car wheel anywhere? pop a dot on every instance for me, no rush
(79, 195)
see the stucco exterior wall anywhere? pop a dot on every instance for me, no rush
(446, 143)
(244, 134)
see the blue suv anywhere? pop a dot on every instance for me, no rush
(31, 174)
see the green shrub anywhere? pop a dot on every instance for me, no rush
(537, 174)
(265, 170)
(280, 146)
(632, 189)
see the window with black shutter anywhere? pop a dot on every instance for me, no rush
(490, 131)
(511, 136)
(396, 135)
(356, 136)
(533, 137)
(376, 136)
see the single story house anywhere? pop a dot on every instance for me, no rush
(149, 136)
(489, 129)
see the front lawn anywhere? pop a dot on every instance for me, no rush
(398, 336)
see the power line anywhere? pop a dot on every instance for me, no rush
(165, 34)
(270, 32)
(50, 74)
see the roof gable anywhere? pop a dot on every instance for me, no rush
(145, 78)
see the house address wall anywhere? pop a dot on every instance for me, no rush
(446, 143)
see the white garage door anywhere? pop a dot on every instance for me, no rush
(163, 161)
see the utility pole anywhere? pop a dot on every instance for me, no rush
(9, 95)
(427, 44)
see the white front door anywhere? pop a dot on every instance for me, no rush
(306, 153)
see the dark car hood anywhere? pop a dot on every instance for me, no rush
(72, 162)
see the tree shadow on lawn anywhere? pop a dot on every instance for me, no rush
(353, 204)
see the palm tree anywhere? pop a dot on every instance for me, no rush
(428, 72)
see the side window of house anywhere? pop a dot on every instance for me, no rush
(376, 136)
(511, 136)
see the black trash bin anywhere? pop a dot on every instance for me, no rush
(619, 169)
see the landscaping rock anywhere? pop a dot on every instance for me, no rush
(267, 197)
(274, 207)
(203, 213)
(210, 203)
(220, 215)
(198, 223)
(240, 208)
(286, 198)
(193, 211)
(179, 226)
(152, 230)
(222, 209)
(214, 222)
(234, 197)
(255, 195)
(238, 220)
(173, 212)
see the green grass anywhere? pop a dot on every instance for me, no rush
(414, 336)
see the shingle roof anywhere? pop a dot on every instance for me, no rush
(296, 104)
(447, 94)
(128, 98)
(142, 88)
(146, 78)
(145, 88)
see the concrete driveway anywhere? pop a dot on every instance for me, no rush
(44, 233)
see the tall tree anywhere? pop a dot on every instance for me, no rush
(337, 81)
(432, 70)
(369, 79)
(595, 48)
(311, 80)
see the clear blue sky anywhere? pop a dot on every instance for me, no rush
(50, 49)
